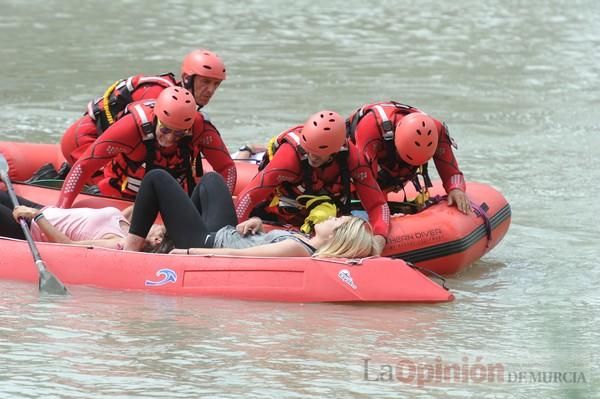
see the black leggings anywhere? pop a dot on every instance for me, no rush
(188, 220)
(8, 226)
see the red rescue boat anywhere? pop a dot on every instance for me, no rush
(267, 279)
(270, 279)
(439, 238)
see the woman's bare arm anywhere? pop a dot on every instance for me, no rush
(127, 213)
(54, 235)
(278, 249)
(57, 236)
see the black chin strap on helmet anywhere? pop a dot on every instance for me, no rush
(188, 83)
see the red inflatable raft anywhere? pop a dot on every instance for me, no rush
(270, 279)
(439, 238)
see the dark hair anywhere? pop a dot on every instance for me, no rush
(165, 246)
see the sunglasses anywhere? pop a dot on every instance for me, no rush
(167, 130)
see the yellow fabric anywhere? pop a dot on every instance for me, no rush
(320, 209)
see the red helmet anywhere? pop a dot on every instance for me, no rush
(203, 63)
(176, 108)
(324, 133)
(416, 138)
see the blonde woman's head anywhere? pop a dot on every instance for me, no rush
(350, 237)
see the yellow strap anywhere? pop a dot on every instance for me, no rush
(421, 199)
(271, 147)
(423, 196)
(124, 183)
(105, 98)
(274, 201)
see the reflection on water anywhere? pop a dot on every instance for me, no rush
(517, 84)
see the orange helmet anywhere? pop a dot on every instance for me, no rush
(176, 108)
(416, 138)
(203, 63)
(324, 133)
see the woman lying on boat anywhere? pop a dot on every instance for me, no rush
(104, 227)
(204, 224)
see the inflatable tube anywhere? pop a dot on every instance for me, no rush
(265, 279)
(25, 158)
(442, 239)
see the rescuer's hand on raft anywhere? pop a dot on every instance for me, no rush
(460, 199)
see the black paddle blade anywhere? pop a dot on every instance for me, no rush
(50, 285)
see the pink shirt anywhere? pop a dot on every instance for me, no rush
(81, 223)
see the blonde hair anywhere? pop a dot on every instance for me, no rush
(352, 239)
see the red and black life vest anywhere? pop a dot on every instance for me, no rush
(386, 114)
(126, 175)
(339, 191)
(119, 95)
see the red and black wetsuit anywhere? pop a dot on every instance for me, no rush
(392, 174)
(123, 152)
(284, 176)
(81, 134)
